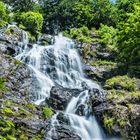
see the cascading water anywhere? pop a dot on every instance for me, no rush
(59, 64)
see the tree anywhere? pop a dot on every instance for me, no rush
(104, 12)
(3, 15)
(33, 21)
(66, 14)
(24, 5)
(124, 7)
(129, 40)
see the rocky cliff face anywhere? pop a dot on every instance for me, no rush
(19, 117)
(118, 111)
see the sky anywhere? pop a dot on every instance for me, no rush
(113, 0)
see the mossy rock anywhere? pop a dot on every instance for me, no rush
(11, 31)
(122, 82)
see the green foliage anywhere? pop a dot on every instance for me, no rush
(24, 5)
(65, 14)
(3, 15)
(2, 138)
(129, 42)
(47, 112)
(83, 12)
(123, 82)
(7, 111)
(108, 123)
(32, 21)
(124, 7)
(9, 137)
(79, 34)
(108, 36)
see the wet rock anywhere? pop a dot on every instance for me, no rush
(46, 39)
(63, 133)
(100, 72)
(60, 97)
(61, 130)
(10, 39)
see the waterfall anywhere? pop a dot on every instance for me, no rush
(60, 64)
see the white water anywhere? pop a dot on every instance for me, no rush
(60, 64)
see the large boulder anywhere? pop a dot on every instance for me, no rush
(60, 97)
(46, 39)
(99, 72)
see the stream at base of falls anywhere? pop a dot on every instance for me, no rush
(60, 64)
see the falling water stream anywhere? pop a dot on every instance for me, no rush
(60, 64)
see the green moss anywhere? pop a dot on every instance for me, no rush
(38, 137)
(116, 95)
(2, 23)
(13, 110)
(31, 106)
(123, 82)
(3, 88)
(7, 111)
(17, 62)
(108, 123)
(44, 43)
(23, 137)
(6, 126)
(22, 27)
(9, 137)
(122, 122)
(11, 31)
(135, 94)
(32, 38)
(23, 113)
(102, 63)
(47, 112)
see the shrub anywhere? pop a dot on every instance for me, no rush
(80, 34)
(47, 112)
(33, 21)
(108, 36)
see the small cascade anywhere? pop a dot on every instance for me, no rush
(60, 64)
